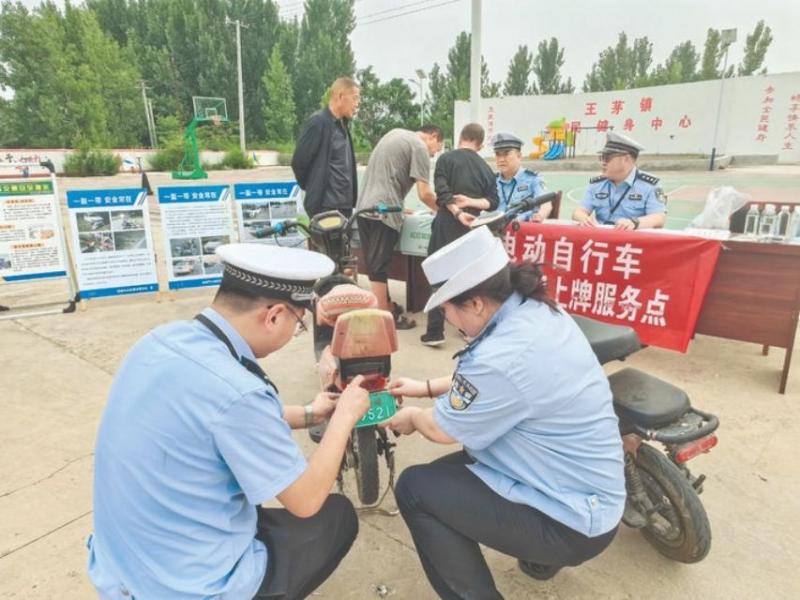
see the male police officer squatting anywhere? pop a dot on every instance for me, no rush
(540, 476)
(194, 438)
(623, 195)
(514, 182)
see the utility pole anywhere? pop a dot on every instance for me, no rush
(239, 26)
(475, 63)
(727, 37)
(147, 115)
(420, 82)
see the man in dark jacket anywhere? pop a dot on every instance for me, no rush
(324, 162)
(465, 185)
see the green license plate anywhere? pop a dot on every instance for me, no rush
(382, 406)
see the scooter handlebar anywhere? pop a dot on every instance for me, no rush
(284, 227)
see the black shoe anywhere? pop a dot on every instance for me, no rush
(432, 339)
(397, 310)
(537, 571)
(403, 323)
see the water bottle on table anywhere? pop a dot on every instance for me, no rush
(751, 221)
(767, 223)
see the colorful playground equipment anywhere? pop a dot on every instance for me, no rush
(554, 144)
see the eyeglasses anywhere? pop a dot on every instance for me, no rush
(608, 157)
(301, 325)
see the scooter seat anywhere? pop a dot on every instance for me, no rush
(341, 299)
(609, 342)
(645, 400)
(364, 333)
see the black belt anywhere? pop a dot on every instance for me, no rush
(248, 364)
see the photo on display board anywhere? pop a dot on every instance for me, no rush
(5, 261)
(186, 267)
(212, 265)
(210, 243)
(40, 232)
(130, 240)
(184, 247)
(94, 221)
(283, 210)
(256, 230)
(99, 241)
(127, 219)
(252, 211)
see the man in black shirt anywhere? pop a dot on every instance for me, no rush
(465, 185)
(324, 162)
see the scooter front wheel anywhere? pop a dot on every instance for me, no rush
(679, 527)
(365, 451)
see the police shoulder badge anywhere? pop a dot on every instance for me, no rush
(462, 393)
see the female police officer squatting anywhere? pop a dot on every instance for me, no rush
(540, 476)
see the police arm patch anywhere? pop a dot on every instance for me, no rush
(462, 393)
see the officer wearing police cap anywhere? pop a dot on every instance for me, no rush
(540, 476)
(514, 182)
(623, 196)
(194, 439)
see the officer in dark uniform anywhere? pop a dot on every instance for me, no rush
(514, 182)
(623, 196)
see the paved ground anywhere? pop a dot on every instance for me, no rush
(56, 370)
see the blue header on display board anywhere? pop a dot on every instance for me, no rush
(192, 193)
(106, 198)
(275, 190)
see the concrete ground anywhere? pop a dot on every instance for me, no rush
(56, 371)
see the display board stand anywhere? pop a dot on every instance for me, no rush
(25, 188)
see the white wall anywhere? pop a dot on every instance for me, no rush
(696, 103)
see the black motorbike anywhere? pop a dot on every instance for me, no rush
(663, 496)
(373, 336)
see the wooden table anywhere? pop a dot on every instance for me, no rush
(754, 296)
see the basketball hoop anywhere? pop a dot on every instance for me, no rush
(216, 120)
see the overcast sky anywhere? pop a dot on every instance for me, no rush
(397, 44)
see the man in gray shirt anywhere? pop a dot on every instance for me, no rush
(400, 160)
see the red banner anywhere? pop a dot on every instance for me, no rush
(652, 281)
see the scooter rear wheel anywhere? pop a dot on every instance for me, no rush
(365, 450)
(679, 529)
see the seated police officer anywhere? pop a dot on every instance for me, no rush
(515, 183)
(194, 439)
(623, 196)
(541, 474)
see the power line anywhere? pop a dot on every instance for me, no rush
(410, 12)
(393, 9)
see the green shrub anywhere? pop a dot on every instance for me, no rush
(236, 159)
(168, 157)
(88, 163)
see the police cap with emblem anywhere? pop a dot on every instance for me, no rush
(463, 264)
(273, 271)
(505, 141)
(616, 143)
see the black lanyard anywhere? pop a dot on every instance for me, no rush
(616, 206)
(248, 364)
(506, 199)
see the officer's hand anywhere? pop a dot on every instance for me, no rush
(322, 405)
(402, 422)
(624, 224)
(354, 400)
(465, 218)
(537, 218)
(405, 386)
(585, 220)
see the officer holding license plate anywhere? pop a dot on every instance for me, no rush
(540, 476)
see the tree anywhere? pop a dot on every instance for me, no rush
(713, 51)
(755, 49)
(324, 51)
(547, 69)
(384, 106)
(519, 72)
(622, 66)
(680, 66)
(278, 111)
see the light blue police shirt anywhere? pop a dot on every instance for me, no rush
(642, 197)
(189, 444)
(531, 404)
(524, 184)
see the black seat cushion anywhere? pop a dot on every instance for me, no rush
(645, 400)
(609, 342)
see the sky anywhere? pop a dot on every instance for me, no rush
(397, 44)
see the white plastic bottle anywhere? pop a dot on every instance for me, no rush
(793, 229)
(751, 221)
(782, 222)
(766, 226)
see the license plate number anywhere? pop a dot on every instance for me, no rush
(382, 406)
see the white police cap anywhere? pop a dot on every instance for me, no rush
(274, 271)
(504, 141)
(463, 264)
(616, 143)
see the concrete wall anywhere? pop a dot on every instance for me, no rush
(759, 116)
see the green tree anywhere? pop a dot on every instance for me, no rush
(323, 51)
(546, 69)
(384, 106)
(279, 115)
(713, 52)
(622, 66)
(519, 73)
(680, 66)
(755, 49)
